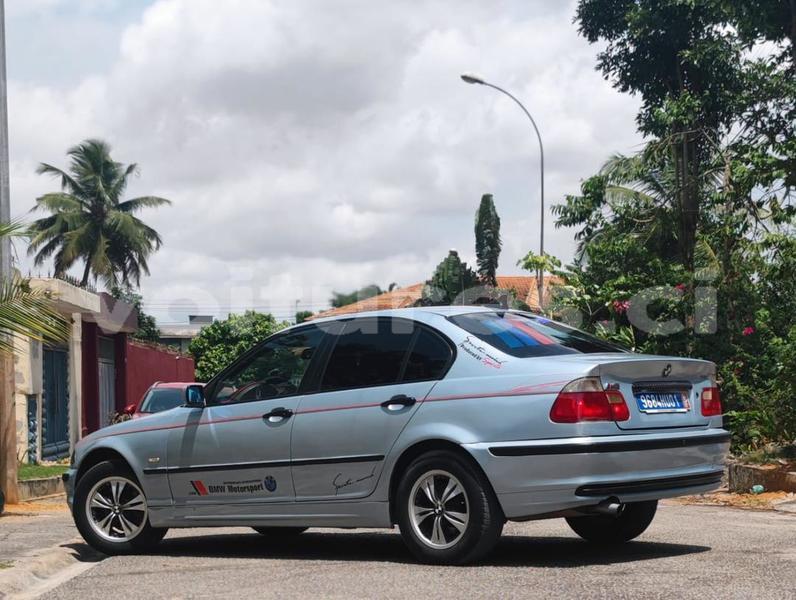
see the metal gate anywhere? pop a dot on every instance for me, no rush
(107, 382)
(55, 405)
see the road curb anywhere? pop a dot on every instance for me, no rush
(45, 568)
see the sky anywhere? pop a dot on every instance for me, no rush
(310, 146)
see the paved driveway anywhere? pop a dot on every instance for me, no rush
(688, 552)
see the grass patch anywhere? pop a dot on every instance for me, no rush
(5, 564)
(27, 471)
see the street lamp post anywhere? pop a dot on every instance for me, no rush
(475, 79)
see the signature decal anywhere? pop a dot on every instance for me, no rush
(339, 483)
(480, 353)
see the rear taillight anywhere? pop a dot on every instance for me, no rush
(711, 402)
(586, 400)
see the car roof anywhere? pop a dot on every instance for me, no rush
(412, 312)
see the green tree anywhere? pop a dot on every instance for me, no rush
(622, 216)
(89, 221)
(682, 60)
(303, 315)
(147, 326)
(451, 282)
(219, 344)
(340, 299)
(25, 311)
(487, 240)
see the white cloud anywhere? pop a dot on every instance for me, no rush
(311, 146)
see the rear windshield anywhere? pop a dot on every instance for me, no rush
(160, 399)
(527, 335)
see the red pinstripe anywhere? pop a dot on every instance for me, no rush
(528, 390)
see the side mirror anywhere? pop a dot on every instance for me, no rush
(195, 396)
(129, 409)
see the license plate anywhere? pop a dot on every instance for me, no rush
(661, 402)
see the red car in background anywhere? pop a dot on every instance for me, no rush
(159, 397)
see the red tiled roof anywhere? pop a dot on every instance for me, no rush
(523, 286)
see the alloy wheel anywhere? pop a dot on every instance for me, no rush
(438, 509)
(116, 509)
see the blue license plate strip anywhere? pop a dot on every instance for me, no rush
(661, 402)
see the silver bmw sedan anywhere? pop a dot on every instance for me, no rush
(445, 421)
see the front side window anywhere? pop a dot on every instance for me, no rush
(275, 370)
(368, 352)
(527, 336)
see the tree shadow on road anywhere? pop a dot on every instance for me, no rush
(513, 550)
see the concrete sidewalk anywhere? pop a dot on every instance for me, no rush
(38, 541)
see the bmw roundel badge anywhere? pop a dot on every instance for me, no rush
(269, 483)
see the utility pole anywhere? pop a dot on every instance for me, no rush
(8, 420)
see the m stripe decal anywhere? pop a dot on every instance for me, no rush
(199, 487)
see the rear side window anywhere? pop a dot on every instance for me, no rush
(368, 352)
(527, 336)
(429, 357)
(160, 399)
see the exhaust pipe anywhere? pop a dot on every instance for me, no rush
(608, 508)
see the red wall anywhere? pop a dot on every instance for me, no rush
(90, 382)
(147, 364)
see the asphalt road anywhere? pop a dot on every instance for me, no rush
(688, 552)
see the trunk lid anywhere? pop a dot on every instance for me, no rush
(660, 392)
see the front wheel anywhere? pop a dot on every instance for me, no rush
(111, 512)
(446, 510)
(629, 523)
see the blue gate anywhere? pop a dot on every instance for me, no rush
(55, 405)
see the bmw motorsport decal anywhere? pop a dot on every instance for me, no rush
(250, 486)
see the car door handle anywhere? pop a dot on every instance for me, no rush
(278, 415)
(398, 402)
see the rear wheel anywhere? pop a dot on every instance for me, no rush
(447, 511)
(111, 512)
(629, 523)
(280, 531)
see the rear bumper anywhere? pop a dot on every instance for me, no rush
(536, 477)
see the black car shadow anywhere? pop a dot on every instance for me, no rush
(512, 551)
(82, 552)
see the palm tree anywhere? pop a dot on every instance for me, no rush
(25, 311)
(90, 222)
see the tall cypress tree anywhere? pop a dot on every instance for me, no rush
(487, 240)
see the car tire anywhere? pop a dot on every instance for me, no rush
(100, 515)
(280, 532)
(447, 525)
(632, 520)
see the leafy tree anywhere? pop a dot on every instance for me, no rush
(89, 221)
(452, 281)
(25, 311)
(679, 57)
(340, 299)
(487, 240)
(303, 315)
(622, 216)
(147, 326)
(219, 344)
